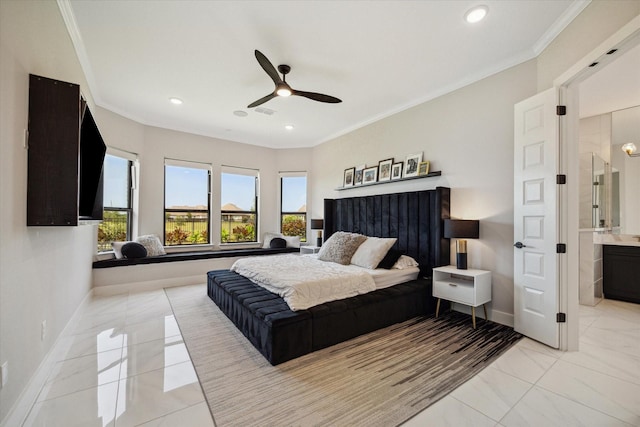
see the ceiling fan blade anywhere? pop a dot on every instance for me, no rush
(262, 100)
(317, 96)
(268, 67)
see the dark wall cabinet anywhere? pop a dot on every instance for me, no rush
(621, 273)
(66, 155)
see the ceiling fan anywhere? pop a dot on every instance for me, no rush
(282, 88)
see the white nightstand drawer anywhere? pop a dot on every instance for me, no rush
(455, 290)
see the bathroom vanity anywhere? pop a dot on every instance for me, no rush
(621, 271)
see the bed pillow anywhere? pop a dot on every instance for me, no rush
(292, 241)
(117, 248)
(278, 243)
(371, 251)
(405, 261)
(266, 239)
(152, 244)
(390, 259)
(133, 250)
(340, 247)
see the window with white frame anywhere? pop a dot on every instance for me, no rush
(239, 205)
(293, 204)
(187, 206)
(117, 198)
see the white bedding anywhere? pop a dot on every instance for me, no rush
(303, 281)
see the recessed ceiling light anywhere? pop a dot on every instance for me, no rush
(476, 14)
(288, 127)
(175, 101)
(240, 113)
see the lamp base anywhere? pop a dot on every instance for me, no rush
(461, 260)
(319, 241)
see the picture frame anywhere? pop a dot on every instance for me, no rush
(358, 175)
(423, 168)
(396, 170)
(370, 175)
(348, 177)
(384, 170)
(411, 164)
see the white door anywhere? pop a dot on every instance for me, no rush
(535, 212)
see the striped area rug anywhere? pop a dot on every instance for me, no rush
(379, 379)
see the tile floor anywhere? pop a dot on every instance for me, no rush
(126, 365)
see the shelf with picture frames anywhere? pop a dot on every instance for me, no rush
(429, 175)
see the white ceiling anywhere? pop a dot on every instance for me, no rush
(379, 57)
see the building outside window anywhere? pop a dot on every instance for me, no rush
(187, 195)
(117, 199)
(239, 202)
(293, 204)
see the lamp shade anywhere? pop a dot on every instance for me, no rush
(317, 224)
(461, 229)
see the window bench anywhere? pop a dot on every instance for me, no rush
(115, 276)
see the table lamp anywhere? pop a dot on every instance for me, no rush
(318, 224)
(461, 229)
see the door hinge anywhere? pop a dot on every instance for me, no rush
(561, 110)
(561, 179)
(561, 317)
(561, 248)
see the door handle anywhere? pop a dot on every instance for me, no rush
(519, 245)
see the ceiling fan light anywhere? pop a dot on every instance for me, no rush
(629, 148)
(283, 91)
(476, 14)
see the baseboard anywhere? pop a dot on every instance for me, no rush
(20, 410)
(149, 285)
(494, 315)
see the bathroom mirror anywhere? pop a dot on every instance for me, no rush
(625, 172)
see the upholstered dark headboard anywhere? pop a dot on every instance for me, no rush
(415, 218)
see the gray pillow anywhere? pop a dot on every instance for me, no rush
(340, 247)
(152, 244)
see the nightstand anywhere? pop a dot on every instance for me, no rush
(309, 249)
(469, 287)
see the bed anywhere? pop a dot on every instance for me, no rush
(281, 334)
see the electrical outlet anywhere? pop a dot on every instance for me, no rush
(4, 374)
(43, 330)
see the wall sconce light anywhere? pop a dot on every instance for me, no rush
(461, 229)
(630, 149)
(318, 224)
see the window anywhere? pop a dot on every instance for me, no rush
(116, 223)
(293, 204)
(186, 202)
(239, 198)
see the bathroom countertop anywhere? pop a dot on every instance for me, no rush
(616, 239)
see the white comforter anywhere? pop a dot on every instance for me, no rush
(303, 280)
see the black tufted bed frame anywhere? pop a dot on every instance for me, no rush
(280, 334)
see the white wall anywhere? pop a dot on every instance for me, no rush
(45, 273)
(468, 135)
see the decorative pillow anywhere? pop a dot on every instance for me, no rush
(390, 259)
(117, 248)
(405, 261)
(152, 244)
(371, 251)
(266, 240)
(292, 241)
(133, 250)
(340, 247)
(277, 243)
